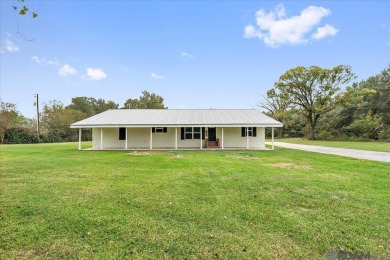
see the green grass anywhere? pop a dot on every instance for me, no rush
(371, 146)
(57, 202)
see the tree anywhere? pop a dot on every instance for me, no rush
(83, 104)
(378, 102)
(367, 101)
(8, 118)
(57, 119)
(100, 105)
(275, 107)
(147, 100)
(91, 106)
(313, 91)
(366, 127)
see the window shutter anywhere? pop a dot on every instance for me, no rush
(165, 130)
(242, 131)
(182, 133)
(254, 131)
(203, 133)
(153, 129)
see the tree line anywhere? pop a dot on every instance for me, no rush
(55, 118)
(313, 102)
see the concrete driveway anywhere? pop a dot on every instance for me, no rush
(352, 153)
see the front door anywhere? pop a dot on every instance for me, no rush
(212, 134)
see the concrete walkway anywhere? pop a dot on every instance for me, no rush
(353, 153)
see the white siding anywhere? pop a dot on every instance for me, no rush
(139, 138)
(110, 138)
(233, 139)
(95, 138)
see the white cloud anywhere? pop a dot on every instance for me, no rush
(324, 32)
(37, 59)
(186, 55)
(54, 62)
(251, 32)
(67, 70)
(276, 29)
(96, 74)
(156, 76)
(41, 60)
(11, 47)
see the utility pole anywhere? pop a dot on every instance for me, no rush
(37, 104)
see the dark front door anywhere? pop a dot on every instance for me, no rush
(212, 134)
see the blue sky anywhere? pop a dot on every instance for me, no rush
(196, 54)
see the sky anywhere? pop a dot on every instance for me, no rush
(195, 54)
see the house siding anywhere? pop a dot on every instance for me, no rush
(233, 139)
(139, 138)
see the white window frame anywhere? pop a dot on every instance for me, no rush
(159, 129)
(249, 131)
(192, 132)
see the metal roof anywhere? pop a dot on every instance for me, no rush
(177, 117)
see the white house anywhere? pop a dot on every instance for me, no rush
(178, 129)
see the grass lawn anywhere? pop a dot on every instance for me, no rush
(371, 146)
(57, 202)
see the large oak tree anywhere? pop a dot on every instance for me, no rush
(313, 91)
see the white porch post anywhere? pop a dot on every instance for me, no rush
(126, 140)
(101, 138)
(272, 138)
(247, 137)
(222, 139)
(201, 138)
(79, 139)
(175, 138)
(151, 138)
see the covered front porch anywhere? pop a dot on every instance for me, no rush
(178, 138)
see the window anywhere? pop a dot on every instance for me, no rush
(248, 131)
(159, 129)
(196, 133)
(192, 132)
(122, 133)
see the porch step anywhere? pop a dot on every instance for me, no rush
(212, 144)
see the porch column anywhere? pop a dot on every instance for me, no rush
(151, 138)
(79, 139)
(222, 139)
(272, 138)
(101, 138)
(175, 138)
(247, 137)
(201, 138)
(126, 140)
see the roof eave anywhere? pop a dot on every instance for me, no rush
(175, 125)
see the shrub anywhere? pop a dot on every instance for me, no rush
(325, 135)
(384, 134)
(20, 135)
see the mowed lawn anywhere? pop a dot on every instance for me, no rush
(57, 202)
(370, 146)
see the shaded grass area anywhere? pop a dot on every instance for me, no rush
(370, 146)
(57, 202)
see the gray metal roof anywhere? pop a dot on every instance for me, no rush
(178, 117)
